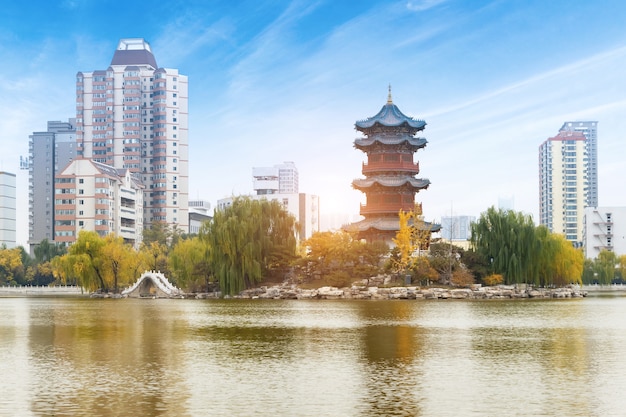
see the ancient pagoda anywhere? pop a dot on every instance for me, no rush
(390, 182)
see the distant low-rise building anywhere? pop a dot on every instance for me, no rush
(278, 179)
(7, 210)
(605, 229)
(198, 214)
(457, 227)
(93, 196)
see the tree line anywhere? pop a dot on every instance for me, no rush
(255, 241)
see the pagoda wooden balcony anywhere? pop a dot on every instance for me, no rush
(388, 208)
(405, 166)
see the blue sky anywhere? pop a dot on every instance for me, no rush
(274, 81)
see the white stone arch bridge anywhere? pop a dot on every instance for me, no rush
(152, 284)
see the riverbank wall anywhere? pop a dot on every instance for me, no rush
(364, 292)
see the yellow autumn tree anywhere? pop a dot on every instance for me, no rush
(189, 263)
(411, 237)
(622, 266)
(119, 261)
(568, 262)
(10, 260)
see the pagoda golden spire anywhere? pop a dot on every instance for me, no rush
(389, 101)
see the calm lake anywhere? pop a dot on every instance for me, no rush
(85, 357)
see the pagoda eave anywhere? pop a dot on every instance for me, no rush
(412, 184)
(388, 224)
(413, 143)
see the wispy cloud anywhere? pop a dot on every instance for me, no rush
(421, 5)
(557, 73)
(187, 36)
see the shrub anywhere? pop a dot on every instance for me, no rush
(462, 278)
(493, 279)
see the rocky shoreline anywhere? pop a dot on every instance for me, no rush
(369, 292)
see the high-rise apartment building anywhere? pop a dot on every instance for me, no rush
(7, 210)
(590, 130)
(134, 115)
(568, 179)
(49, 152)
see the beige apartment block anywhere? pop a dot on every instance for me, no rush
(90, 195)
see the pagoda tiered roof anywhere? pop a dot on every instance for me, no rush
(388, 181)
(391, 116)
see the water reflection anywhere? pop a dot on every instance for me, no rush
(105, 356)
(297, 358)
(389, 348)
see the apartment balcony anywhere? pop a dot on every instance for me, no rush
(127, 232)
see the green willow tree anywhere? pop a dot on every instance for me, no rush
(523, 253)
(507, 239)
(249, 240)
(188, 261)
(604, 267)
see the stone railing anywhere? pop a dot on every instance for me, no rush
(42, 290)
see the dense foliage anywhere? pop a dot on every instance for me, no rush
(606, 269)
(253, 242)
(17, 267)
(338, 259)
